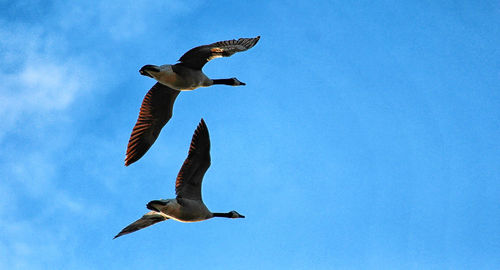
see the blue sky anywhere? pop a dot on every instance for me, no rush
(366, 136)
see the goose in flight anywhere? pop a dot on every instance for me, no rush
(188, 206)
(157, 106)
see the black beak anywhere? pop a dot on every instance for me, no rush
(144, 70)
(242, 216)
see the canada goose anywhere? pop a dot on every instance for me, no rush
(156, 108)
(188, 206)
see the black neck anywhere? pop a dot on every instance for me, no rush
(224, 81)
(228, 215)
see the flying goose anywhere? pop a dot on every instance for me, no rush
(156, 108)
(188, 206)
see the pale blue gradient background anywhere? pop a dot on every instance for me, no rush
(367, 136)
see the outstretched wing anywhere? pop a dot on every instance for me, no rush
(155, 112)
(145, 221)
(188, 183)
(197, 57)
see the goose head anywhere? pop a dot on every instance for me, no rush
(149, 70)
(235, 214)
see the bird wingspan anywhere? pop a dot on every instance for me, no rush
(190, 177)
(156, 110)
(197, 57)
(147, 220)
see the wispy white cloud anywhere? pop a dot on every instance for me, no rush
(37, 83)
(36, 214)
(39, 87)
(31, 245)
(123, 20)
(35, 80)
(42, 76)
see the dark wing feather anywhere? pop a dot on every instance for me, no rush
(156, 110)
(197, 57)
(188, 183)
(145, 221)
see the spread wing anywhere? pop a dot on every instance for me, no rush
(156, 110)
(147, 220)
(188, 183)
(197, 57)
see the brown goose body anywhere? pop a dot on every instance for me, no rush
(188, 206)
(157, 106)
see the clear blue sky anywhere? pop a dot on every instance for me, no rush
(367, 136)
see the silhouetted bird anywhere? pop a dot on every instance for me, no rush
(188, 206)
(158, 103)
